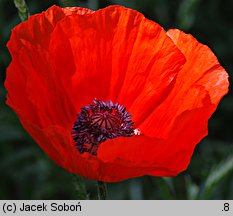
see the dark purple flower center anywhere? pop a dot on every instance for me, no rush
(98, 122)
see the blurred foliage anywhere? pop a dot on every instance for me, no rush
(27, 173)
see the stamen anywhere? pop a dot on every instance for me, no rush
(99, 122)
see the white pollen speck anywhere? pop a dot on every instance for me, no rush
(137, 132)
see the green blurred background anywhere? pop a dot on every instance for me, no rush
(27, 173)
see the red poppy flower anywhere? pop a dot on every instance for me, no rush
(63, 59)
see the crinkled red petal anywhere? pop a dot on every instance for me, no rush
(115, 54)
(175, 127)
(202, 74)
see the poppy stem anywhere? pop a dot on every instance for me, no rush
(102, 190)
(79, 187)
(22, 9)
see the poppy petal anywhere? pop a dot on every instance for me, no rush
(165, 157)
(15, 86)
(50, 104)
(38, 28)
(213, 76)
(199, 86)
(58, 144)
(76, 10)
(31, 65)
(201, 74)
(115, 54)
